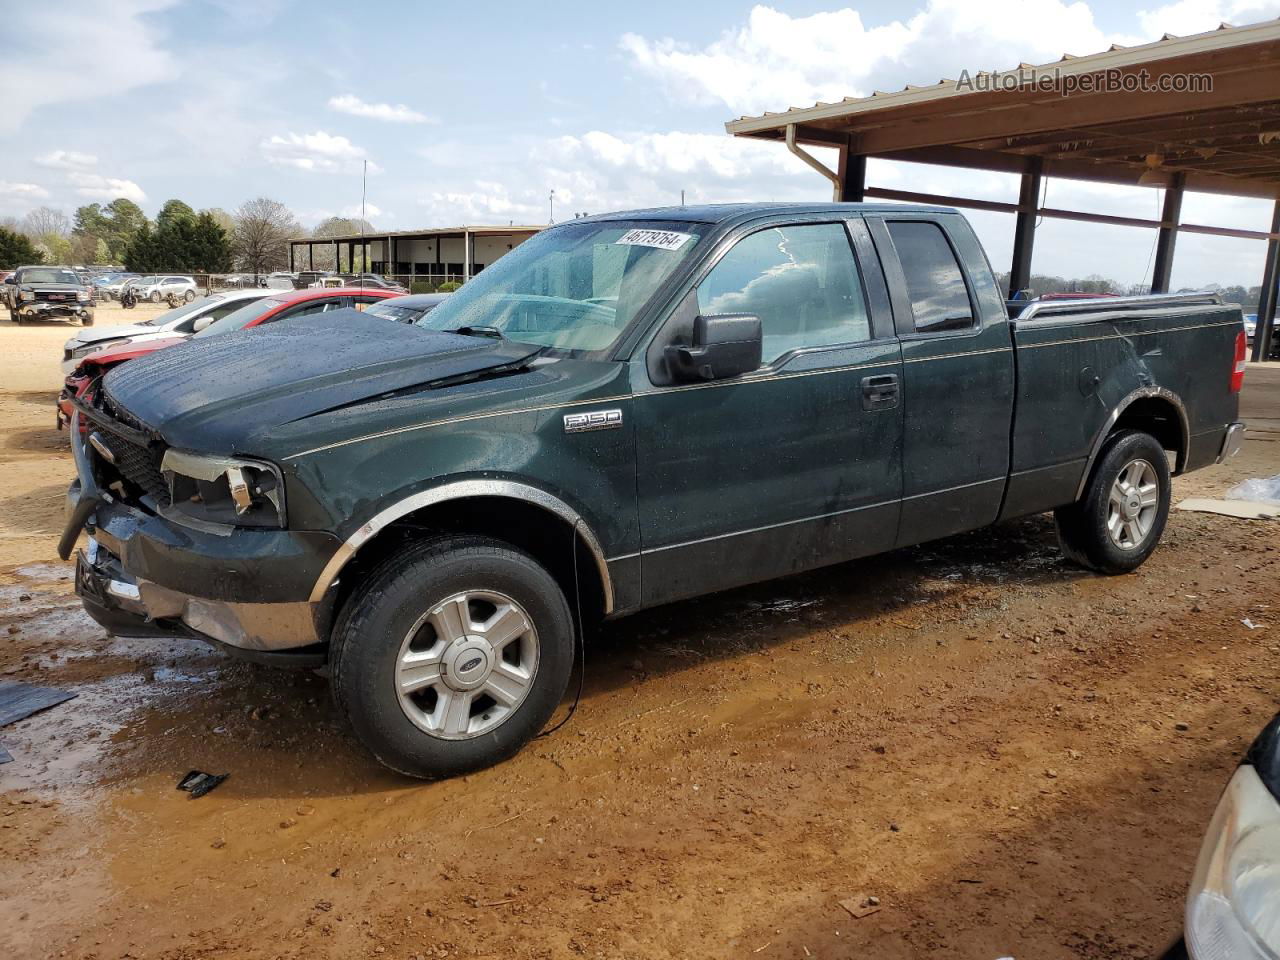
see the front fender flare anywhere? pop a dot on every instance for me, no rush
(458, 490)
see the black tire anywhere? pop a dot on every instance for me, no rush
(14, 317)
(1083, 527)
(377, 621)
(86, 320)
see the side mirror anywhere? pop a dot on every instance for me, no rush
(201, 323)
(723, 346)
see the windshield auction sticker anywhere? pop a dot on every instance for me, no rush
(662, 239)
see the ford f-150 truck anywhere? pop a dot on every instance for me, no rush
(624, 411)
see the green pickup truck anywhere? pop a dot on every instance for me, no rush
(624, 411)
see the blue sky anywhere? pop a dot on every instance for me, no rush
(473, 113)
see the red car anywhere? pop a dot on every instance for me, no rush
(286, 304)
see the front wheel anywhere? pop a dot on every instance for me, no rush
(452, 655)
(155, 296)
(86, 320)
(1118, 522)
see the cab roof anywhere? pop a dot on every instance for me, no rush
(724, 212)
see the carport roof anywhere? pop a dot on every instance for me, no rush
(484, 230)
(1222, 140)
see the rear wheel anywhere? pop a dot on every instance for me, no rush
(452, 655)
(189, 296)
(1118, 522)
(15, 317)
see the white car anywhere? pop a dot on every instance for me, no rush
(189, 318)
(156, 289)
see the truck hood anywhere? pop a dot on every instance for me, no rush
(98, 334)
(218, 394)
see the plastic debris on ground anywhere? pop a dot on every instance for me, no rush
(1257, 489)
(21, 700)
(198, 783)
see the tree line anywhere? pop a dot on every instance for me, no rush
(179, 240)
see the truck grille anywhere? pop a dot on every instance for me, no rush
(137, 464)
(56, 296)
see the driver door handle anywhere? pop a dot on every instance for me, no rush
(880, 392)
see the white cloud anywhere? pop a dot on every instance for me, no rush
(775, 61)
(391, 113)
(22, 191)
(66, 160)
(320, 152)
(114, 51)
(93, 186)
(1198, 16)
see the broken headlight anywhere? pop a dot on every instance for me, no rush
(224, 490)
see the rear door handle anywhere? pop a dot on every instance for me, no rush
(880, 392)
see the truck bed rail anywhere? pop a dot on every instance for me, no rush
(1057, 309)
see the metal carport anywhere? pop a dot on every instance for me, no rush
(1141, 115)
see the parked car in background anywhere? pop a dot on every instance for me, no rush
(184, 319)
(254, 309)
(624, 411)
(373, 280)
(43, 293)
(282, 281)
(1233, 906)
(161, 288)
(112, 287)
(409, 309)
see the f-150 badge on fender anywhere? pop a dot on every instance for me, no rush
(592, 420)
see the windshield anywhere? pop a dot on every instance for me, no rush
(389, 310)
(49, 276)
(573, 288)
(177, 313)
(238, 319)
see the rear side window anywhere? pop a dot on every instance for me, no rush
(935, 284)
(303, 309)
(801, 281)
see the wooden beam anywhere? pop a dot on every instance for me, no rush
(1269, 295)
(852, 171)
(1024, 231)
(995, 206)
(1168, 237)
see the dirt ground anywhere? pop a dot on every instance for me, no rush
(1017, 758)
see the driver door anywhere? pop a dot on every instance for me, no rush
(798, 464)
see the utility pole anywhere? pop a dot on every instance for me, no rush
(552, 217)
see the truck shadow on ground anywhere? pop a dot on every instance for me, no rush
(219, 713)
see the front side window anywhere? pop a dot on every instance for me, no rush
(801, 281)
(939, 299)
(572, 288)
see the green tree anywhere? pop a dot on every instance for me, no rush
(142, 254)
(173, 213)
(210, 245)
(124, 219)
(16, 250)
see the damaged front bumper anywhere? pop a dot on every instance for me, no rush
(146, 575)
(41, 309)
